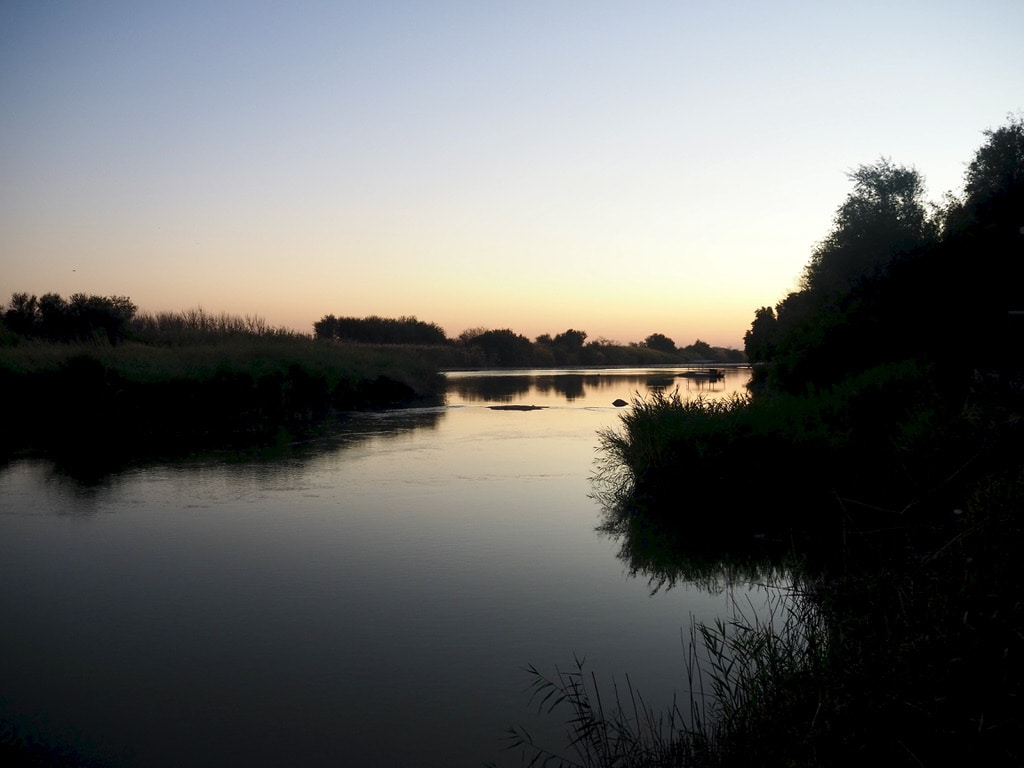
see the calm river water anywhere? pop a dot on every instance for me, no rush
(369, 600)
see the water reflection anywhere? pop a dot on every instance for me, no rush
(569, 386)
(591, 387)
(83, 476)
(665, 553)
(489, 389)
(660, 382)
(369, 596)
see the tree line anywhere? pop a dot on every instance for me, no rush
(898, 277)
(503, 347)
(80, 318)
(115, 319)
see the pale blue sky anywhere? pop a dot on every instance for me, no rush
(621, 168)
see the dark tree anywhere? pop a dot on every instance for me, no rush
(660, 342)
(884, 216)
(100, 317)
(55, 319)
(379, 330)
(701, 349)
(22, 315)
(82, 318)
(760, 341)
(888, 285)
(326, 327)
(504, 347)
(571, 340)
(994, 182)
(984, 250)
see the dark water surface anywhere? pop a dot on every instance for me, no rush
(370, 599)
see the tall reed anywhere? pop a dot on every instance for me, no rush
(197, 325)
(755, 685)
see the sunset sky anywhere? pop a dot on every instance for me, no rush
(619, 168)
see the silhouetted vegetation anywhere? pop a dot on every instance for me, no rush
(92, 376)
(197, 326)
(379, 330)
(883, 449)
(897, 279)
(192, 381)
(482, 347)
(80, 318)
(503, 348)
(661, 342)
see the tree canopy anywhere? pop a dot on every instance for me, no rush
(888, 283)
(884, 215)
(379, 330)
(82, 317)
(660, 342)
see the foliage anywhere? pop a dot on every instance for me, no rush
(888, 283)
(503, 347)
(103, 404)
(760, 341)
(570, 339)
(994, 181)
(80, 318)
(660, 342)
(700, 350)
(197, 326)
(379, 330)
(885, 215)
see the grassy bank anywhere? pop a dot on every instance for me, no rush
(84, 400)
(902, 514)
(878, 441)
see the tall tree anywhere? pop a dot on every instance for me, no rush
(884, 216)
(993, 196)
(22, 315)
(571, 340)
(503, 347)
(760, 341)
(660, 342)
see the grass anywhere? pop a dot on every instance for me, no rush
(90, 402)
(882, 440)
(746, 685)
(136, 361)
(901, 513)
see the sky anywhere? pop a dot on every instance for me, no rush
(617, 168)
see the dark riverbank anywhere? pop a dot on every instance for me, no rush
(97, 404)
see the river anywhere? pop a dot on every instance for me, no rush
(371, 598)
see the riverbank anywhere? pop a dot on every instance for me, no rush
(99, 403)
(901, 511)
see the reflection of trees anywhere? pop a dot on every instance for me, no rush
(494, 389)
(355, 428)
(344, 433)
(660, 381)
(571, 386)
(704, 385)
(576, 386)
(666, 553)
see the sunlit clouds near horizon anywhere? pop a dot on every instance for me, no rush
(621, 169)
